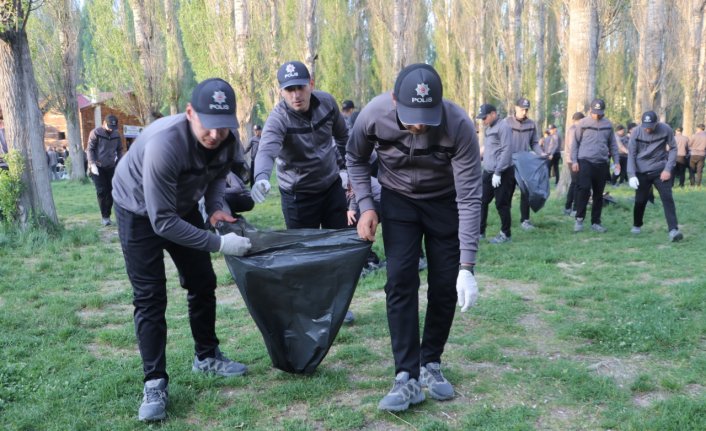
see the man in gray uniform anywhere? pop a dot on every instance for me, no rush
(652, 153)
(431, 188)
(593, 147)
(553, 150)
(252, 149)
(697, 154)
(298, 134)
(682, 163)
(519, 134)
(570, 204)
(105, 148)
(494, 175)
(173, 163)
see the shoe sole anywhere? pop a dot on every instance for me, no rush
(402, 407)
(677, 237)
(153, 419)
(219, 374)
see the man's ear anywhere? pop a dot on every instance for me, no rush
(394, 99)
(189, 111)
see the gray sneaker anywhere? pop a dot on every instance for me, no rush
(567, 211)
(635, 230)
(675, 235)
(404, 392)
(527, 225)
(349, 318)
(106, 221)
(578, 226)
(154, 401)
(439, 388)
(500, 238)
(219, 365)
(598, 228)
(573, 213)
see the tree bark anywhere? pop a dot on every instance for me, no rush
(175, 58)
(24, 125)
(650, 23)
(311, 39)
(540, 42)
(515, 80)
(149, 56)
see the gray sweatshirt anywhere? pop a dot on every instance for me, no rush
(164, 175)
(307, 160)
(434, 164)
(651, 152)
(494, 149)
(518, 136)
(594, 141)
(104, 148)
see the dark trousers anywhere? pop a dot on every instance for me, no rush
(524, 199)
(407, 221)
(680, 168)
(647, 180)
(143, 251)
(591, 177)
(554, 164)
(313, 210)
(696, 163)
(503, 200)
(571, 193)
(622, 177)
(104, 189)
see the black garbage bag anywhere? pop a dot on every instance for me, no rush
(297, 285)
(532, 175)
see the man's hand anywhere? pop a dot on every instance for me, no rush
(260, 190)
(221, 215)
(574, 167)
(94, 169)
(467, 289)
(616, 170)
(351, 217)
(633, 182)
(367, 225)
(495, 181)
(233, 244)
(665, 176)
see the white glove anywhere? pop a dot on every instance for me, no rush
(467, 289)
(260, 190)
(94, 169)
(495, 181)
(634, 183)
(234, 244)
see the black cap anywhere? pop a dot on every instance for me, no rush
(649, 119)
(111, 121)
(347, 104)
(631, 125)
(257, 127)
(293, 73)
(577, 116)
(523, 103)
(551, 127)
(214, 102)
(598, 106)
(419, 93)
(485, 110)
(619, 127)
(701, 126)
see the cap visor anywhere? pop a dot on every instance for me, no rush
(218, 121)
(426, 116)
(648, 124)
(293, 82)
(481, 116)
(598, 111)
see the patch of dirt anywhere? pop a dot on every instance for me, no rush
(526, 291)
(100, 351)
(110, 287)
(676, 281)
(645, 400)
(87, 314)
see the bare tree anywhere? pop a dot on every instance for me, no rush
(24, 125)
(174, 70)
(311, 36)
(649, 17)
(541, 65)
(151, 54)
(692, 12)
(515, 51)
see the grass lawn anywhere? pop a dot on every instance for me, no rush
(572, 332)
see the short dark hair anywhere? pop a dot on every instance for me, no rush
(619, 127)
(631, 125)
(577, 116)
(679, 129)
(701, 126)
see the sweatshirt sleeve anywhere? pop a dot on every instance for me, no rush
(91, 147)
(632, 155)
(358, 151)
(271, 141)
(672, 155)
(505, 156)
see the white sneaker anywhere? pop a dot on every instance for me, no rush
(635, 230)
(527, 225)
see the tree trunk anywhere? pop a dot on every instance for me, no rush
(515, 80)
(148, 55)
(398, 54)
(175, 58)
(24, 125)
(244, 82)
(539, 89)
(651, 26)
(311, 39)
(701, 85)
(693, 13)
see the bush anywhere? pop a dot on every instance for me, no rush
(11, 187)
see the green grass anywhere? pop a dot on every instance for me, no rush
(572, 331)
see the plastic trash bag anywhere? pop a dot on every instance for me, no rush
(532, 175)
(297, 285)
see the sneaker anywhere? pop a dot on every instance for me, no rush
(431, 377)
(675, 235)
(500, 238)
(350, 317)
(404, 392)
(106, 221)
(635, 230)
(567, 211)
(573, 213)
(219, 365)
(482, 236)
(154, 401)
(578, 226)
(423, 263)
(597, 227)
(527, 225)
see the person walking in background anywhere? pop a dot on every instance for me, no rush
(593, 147)
(682, 163)
(252, 150)
(622, 139)
(349, 113)
(174, 162)
(652, 153)
(498, 180)
(570, 204)
(52, 162)
(552, 148)
(104, 150)
(697, 153)
(430, 175)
